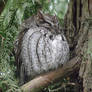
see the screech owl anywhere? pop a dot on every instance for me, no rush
(41, 50)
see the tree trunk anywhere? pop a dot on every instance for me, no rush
(78, 24)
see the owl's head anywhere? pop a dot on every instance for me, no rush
(52, 20)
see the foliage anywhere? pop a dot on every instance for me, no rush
(55, 7)
(10, 19)
(14, 13)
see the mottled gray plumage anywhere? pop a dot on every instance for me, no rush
(41, 51)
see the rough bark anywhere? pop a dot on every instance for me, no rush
(79, 15)
(86, 65)
(87, 76)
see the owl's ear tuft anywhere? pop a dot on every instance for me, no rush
(55, 19)
(40, 14)
(63, 38)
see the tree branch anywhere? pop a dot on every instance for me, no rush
(42, 81)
